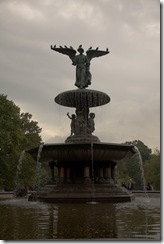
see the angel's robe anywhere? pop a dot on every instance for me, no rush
(83, 75)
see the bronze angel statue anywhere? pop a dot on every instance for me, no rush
(81, 61)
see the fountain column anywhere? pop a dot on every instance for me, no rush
(51, 164)
(113, 171)
(61, 174)
(101, 175)
(108, 174)
(86, 173)
(68, 173)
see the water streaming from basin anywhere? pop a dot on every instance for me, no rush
(140, 161)
(92, 177)
(38, 167)
(19, 168)
(146, 197)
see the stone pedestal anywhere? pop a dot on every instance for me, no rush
(87, 174)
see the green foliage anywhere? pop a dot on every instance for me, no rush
(152, 170)
(17, 133)
(30, 129)
(144, 150)
(134, 169)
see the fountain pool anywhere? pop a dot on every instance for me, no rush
(26, 220)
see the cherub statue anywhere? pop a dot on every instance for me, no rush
(81, 61)
(73, 121)
(91, 123)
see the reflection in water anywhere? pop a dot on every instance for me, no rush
(23, 220)
(87, 221)
(139, 218)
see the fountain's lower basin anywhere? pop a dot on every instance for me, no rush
(84, 152)
(85, 172)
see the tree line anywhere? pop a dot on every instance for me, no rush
(18, 132)
(141, 173)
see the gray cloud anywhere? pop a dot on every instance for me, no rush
(32, 74)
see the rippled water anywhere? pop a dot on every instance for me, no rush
(24, 220)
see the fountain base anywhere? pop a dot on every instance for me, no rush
(87, 192)
(84, 171)
(82, 139)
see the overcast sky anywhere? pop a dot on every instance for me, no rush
(32, 75)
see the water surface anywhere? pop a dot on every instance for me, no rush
(24, 220)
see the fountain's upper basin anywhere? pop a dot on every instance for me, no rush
(84, 152)
(82, 98)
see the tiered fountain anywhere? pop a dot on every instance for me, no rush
(85, 165)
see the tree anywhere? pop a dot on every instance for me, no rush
(17, 133)
(144, 150)
(134, 168)
(152, 170)
(30, 129)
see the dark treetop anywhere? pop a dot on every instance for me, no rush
(81, 61)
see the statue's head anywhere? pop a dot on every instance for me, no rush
(80, 49)
(92, 115)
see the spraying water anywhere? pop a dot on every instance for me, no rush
(142, 172)
(146, 194)
(19, 168)
(38, 167)
(93, 185)
(19, 190)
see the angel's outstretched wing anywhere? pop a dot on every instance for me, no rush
(69, 51)
(93, 53)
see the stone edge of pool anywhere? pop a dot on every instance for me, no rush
(9, 194)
